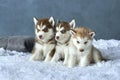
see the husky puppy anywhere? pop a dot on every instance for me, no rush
(44, 41)
(62, 37)
(81, 50)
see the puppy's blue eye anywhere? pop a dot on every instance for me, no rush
(63, 31)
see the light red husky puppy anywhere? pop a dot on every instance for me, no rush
(44, 41)
(81, 49)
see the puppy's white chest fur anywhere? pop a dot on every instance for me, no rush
(60, 52)
(44, 48)
(47, 48)
(38, 46)
(60, 49)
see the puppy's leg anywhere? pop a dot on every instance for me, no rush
(71, 60)
(55, 57)
(50, 55)
(48, 58)
(37, 55)
(97, 56)
(49, 51)
(66, 53)
(66, 60)
(84, 61)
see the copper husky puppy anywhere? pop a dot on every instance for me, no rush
(62, 37)
(44, 41)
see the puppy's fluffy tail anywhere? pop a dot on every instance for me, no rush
(29, 44)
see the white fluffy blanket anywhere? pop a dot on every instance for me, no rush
(15, 66)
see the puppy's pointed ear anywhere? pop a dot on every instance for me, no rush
(51, 20)
(92, 34)
(72, 24)
(35, 20)
(72, 32)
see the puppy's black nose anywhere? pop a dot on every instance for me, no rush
(81, 50)
(57, 37)
(40, 36)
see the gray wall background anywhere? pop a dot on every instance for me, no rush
(103, 16)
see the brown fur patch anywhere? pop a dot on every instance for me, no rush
(64, 24)
(52, 52)
(44, 21)
(52, 41)
(82, 32)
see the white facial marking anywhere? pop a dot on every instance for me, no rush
(63, 36)
(38, 27)
(62, 28)
(40, 34)
(43, 27)
(57, 28)
(82, 43)
(45, 35)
